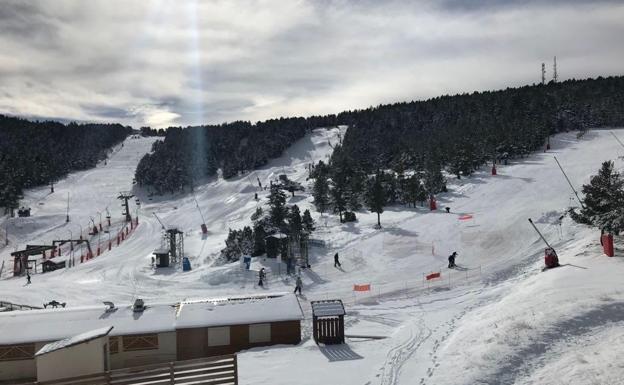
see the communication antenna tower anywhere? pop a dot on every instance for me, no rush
(555, 76)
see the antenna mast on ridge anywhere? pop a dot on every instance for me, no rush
(555, 76)
(543, 73)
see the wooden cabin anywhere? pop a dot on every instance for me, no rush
(155, 333)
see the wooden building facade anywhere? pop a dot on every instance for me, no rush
(159, 333)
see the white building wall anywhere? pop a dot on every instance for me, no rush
(78, 360)
(19, 369)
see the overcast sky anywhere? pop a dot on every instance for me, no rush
(185, 62)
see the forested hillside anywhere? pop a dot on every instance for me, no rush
(457, 133)
(36, 153)
(189, 154)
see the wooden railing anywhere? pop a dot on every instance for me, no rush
(14, 306)
(221, 370)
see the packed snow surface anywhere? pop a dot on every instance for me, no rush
(496, 319)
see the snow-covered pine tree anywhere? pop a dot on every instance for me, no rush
(247, 241)
(604, 200)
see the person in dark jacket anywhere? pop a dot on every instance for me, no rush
(336, 261)
(27, 278)
(298, 285)
(451, 260)
(261, 277)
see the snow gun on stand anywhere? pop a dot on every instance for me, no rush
(550, 255)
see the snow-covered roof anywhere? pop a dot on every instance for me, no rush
(161, 251)
(240, 310)
(75, 340)
(56, 324)
(327, 308)
(278, 236)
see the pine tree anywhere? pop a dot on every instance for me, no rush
(307, 222)
(338, 194)
(257, 214)
(604, 199)
(247, 241)
(354, 190)
(376, 198)
(259, 240)
(433, 179)
(277, 204)
(294, 222)
(320, 192)
(414, 190)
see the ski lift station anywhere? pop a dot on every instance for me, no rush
(35, 344)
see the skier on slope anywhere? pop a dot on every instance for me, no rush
(27, 278)
(298, 285)
(451, 260)
(337, 261)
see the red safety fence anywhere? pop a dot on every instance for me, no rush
(432, 276)
(465, 217)
(366, 287)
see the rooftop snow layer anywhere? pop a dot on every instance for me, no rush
(240, 310)
(327, 308)
(75, 340)
(56, 324)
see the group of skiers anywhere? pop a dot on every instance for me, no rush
(298, 282)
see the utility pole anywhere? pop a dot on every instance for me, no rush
(67, 217)
(555, 76)
(570, 183)
(543, 73)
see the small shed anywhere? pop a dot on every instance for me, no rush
(85, 353)
(328, 321)
(51, 265)
(162, 257)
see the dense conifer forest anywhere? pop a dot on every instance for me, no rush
(37, 153)
(454, 133)
(189, 154)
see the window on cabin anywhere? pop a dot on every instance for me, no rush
(17, 352)
(113, 345)
(140, 342)
(219, 336)
(259, 333)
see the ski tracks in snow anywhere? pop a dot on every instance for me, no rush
(419, 332)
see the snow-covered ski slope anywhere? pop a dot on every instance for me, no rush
(496, 320)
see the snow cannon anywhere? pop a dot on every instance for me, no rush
(550, 255)
(432, 203)
(550, 258)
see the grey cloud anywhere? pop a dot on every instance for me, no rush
(167, 62)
